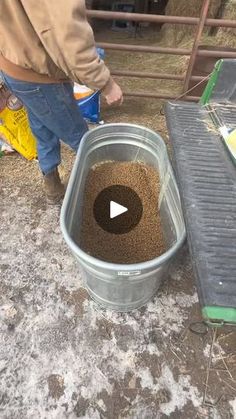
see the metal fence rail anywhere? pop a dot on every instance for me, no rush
(200, 23)
(138, 17)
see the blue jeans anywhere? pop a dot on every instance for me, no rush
(53, 115)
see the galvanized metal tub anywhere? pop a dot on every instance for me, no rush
(123, 287)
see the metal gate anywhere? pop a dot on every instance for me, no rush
(195, 52)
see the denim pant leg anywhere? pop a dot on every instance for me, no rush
(65, 120)
(48, 145)
(53, 115)
(70, 126)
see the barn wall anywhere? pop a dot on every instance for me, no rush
(106, 4)
(154, 7)
(89, 4)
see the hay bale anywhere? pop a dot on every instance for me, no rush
(189, 8)
(227, 36)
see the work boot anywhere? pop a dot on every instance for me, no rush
(54, 189)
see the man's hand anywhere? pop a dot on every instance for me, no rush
(112, 93)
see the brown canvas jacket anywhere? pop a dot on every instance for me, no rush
(49, 40)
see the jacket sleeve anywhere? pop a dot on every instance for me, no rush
(66, 35)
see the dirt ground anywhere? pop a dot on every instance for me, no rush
(61, 356)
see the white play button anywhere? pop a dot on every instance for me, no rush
(116, 209)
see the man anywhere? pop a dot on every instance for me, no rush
(44, 45)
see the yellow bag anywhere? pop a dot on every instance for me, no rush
(14, 125)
